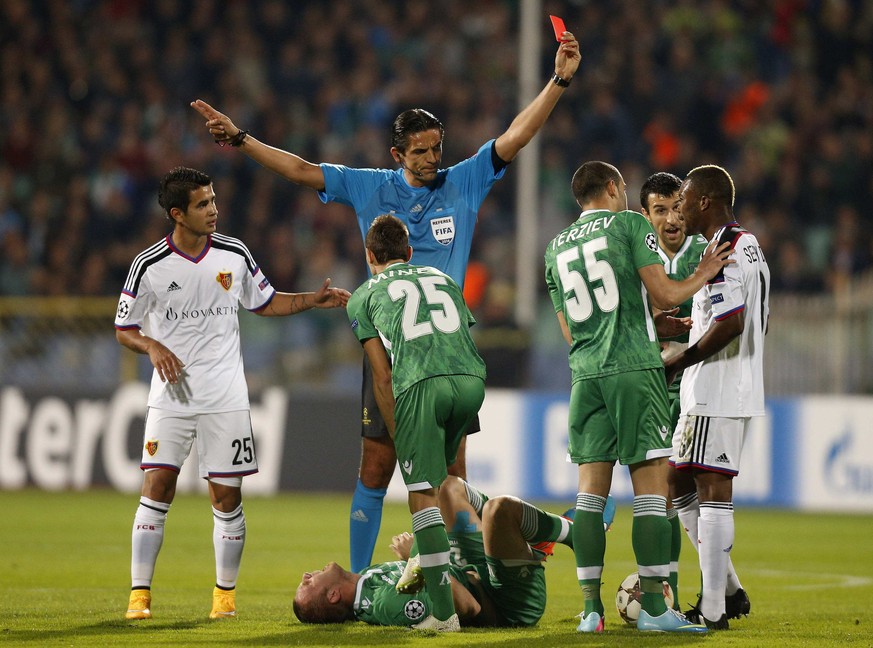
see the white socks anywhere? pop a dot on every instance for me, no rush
(688, 509)
(716, 532)
(228, 538)
(146, 540)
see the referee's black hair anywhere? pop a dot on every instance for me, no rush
(177, 185)
(660, 184)
(409, 122)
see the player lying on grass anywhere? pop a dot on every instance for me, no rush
(497, 576)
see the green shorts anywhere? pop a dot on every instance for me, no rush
(624, 417)
(430, 419)
(372, 424)
(466, 548)
(518, 591)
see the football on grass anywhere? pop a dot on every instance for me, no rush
(627, 598)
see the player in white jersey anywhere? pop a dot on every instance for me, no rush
(659, 198)
(179, 306)
(723, 383)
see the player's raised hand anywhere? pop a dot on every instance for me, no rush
(220, 126)
(327, 297)
(714, 258)
(568, 57)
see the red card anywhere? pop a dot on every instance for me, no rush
(558, 25)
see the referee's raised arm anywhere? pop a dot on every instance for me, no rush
(287, 165)
(530, 120)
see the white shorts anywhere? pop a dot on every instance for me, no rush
(225, 442)
(710, 443)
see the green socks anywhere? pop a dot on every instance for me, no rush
(433, 551)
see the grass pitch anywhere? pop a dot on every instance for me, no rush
(65, 578)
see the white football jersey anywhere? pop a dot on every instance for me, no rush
(190, 305)
(731, 382)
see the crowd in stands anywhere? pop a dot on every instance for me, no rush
(94, 102)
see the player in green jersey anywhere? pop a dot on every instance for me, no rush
(428, 390)
(601, 272)
(659, 202)
(497, 578)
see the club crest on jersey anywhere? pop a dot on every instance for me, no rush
(151, 447)
(225, 279)
(443, 229)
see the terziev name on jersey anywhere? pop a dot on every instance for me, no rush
(197, 313)
(578, 232)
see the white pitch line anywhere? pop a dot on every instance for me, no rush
(827, 580)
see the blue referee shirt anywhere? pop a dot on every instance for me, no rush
(440, 217)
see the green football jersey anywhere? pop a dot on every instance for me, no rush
(377, 602)
(592, 276)
(420, 314)
(682, 265)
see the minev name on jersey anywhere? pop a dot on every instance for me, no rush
(401, 272)
(197, 313)
(575, 233)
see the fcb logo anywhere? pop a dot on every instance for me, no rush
(151, 447)
(225, 279)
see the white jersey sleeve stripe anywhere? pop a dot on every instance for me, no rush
(141, 263)
(235, 245)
